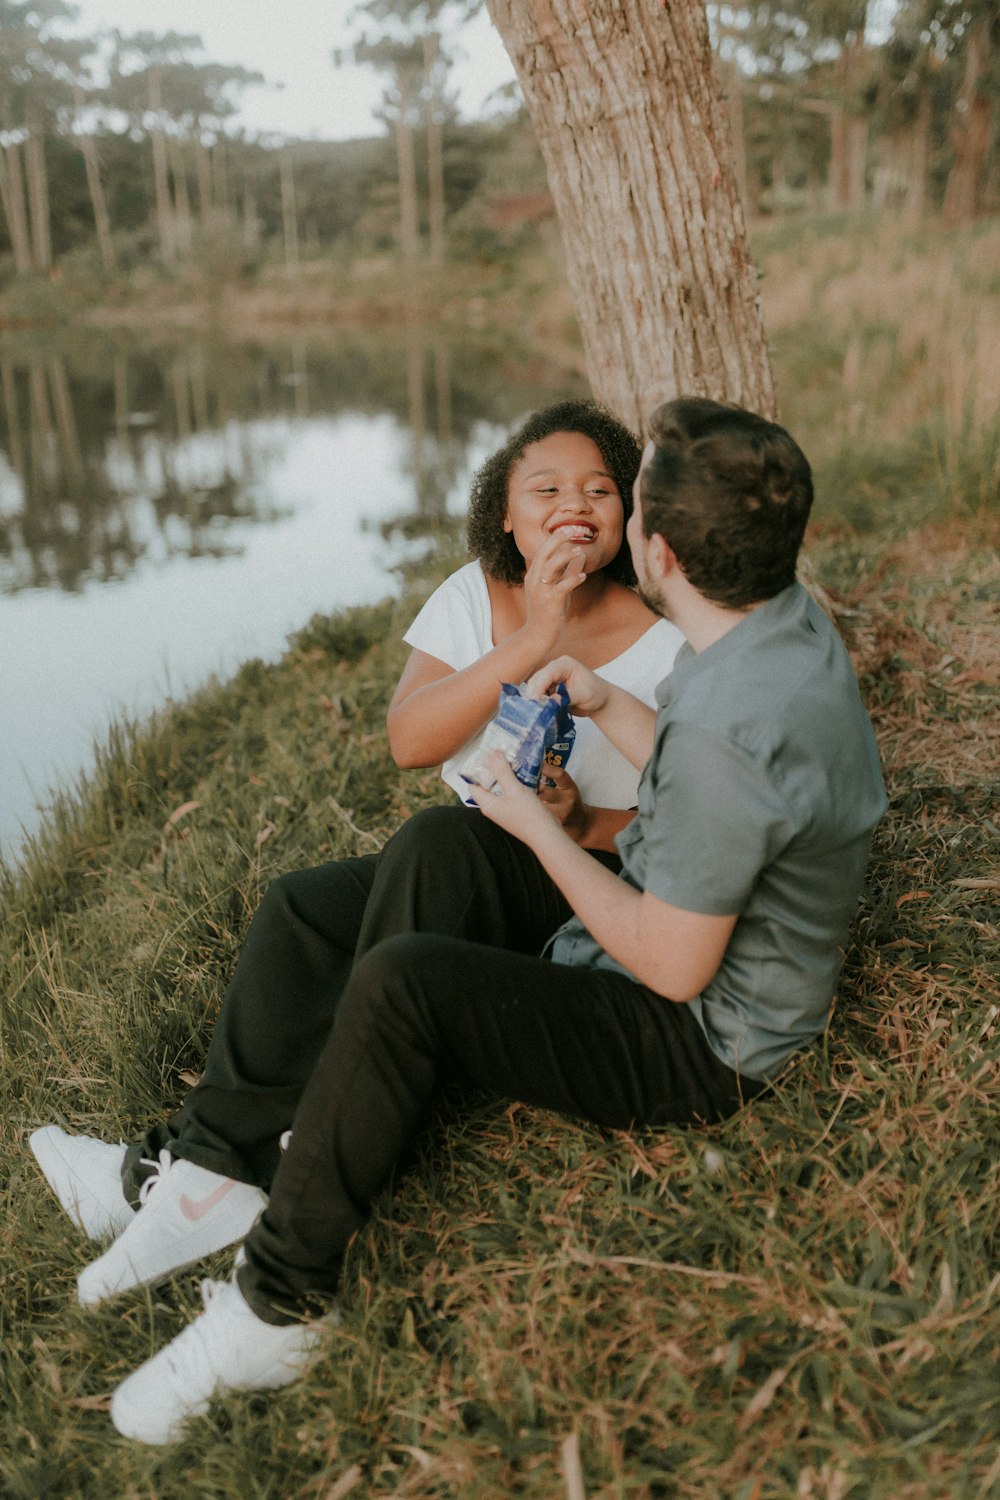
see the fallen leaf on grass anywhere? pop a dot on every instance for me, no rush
(347, 1482)
(178, 813)
(912, 896)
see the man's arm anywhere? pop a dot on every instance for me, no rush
(674, 952)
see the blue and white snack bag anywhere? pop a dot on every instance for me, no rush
(529, 732)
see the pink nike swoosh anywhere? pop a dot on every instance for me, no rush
(195, 1211)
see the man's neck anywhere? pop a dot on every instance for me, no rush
(702, 621)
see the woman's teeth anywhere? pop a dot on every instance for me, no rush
(576, 533)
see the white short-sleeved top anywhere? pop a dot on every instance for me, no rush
(456, 627)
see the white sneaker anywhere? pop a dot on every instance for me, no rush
(191, 1213)
(86, 1176)
(226, 1348)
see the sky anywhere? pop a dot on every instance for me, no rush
(291, 42)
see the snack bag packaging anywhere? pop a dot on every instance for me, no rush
(529, 732)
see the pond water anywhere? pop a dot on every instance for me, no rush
(167, 512)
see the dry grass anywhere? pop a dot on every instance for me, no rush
(799, 1305)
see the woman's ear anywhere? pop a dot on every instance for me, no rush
(507, 522)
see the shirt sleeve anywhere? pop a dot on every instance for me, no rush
(717, 821)
(451, 626)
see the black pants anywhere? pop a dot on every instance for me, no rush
(365, 985)
(447, 870)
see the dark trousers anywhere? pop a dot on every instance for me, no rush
(447, 871)
(366, 985)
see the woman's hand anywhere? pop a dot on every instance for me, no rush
(561, 795)
(553, 573)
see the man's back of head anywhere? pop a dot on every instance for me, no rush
(731, 493)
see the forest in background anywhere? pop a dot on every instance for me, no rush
(121, 153)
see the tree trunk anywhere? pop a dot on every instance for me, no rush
(737, 131)
(182, 200)
(623, 99)
(857, 161)
(409, 230)
(289, 217)
(15, 211)
(970, 133)
(38, 198)
(161, 182)
(203, 177)
(102, 222)
(839, 180)
(918, 174)
(435, 151)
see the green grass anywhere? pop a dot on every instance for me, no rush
(800, 1303)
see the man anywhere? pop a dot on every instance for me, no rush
(680, 987)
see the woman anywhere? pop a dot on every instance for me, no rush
(551, 575)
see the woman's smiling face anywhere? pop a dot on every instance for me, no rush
(561, 486)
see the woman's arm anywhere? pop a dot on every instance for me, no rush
(435, 709)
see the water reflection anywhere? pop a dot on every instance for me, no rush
(166, 512)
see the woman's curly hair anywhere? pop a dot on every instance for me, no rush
(494, 547)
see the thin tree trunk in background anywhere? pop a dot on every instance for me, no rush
(42, 432)
(14, 207)
(857, 161)
(625, 106)
(15, 448)
(288, 215)
(161, 182)
(102, 221)
(970, 134)
(220, 178)
(203, 177)
(69, 441)
(435, 153)
(38, 198)
(409, 230)
(839, 181)
(251, 221)
(918, 175)
(182, 201)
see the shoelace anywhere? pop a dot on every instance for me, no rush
(160, 1168)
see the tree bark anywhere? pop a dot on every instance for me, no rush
(623, 99)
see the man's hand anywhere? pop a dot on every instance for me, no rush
(514, 806)
(588, 693)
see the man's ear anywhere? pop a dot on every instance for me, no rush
(661, 554)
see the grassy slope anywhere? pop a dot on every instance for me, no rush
(801, 1303)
